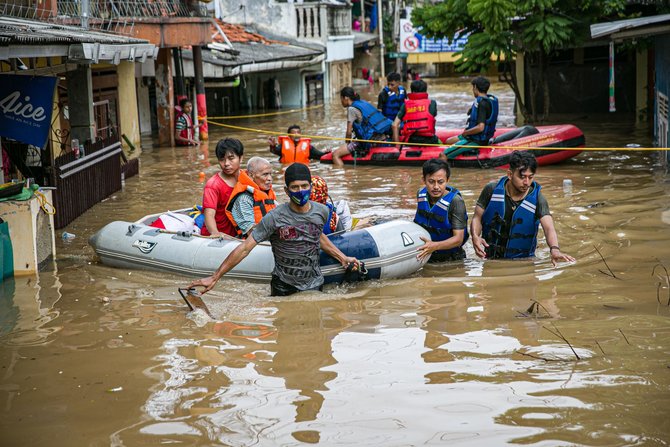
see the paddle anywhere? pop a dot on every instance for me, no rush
(194, 300)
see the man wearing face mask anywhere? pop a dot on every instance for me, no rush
(293, 148)
(295, 231)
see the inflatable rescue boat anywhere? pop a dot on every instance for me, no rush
(387, 249)
(549, 144)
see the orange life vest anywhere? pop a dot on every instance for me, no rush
(263, 201)
(292, 153)
(418, 120)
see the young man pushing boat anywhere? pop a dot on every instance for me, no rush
(295, 231)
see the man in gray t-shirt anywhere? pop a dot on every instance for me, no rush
(441, 211)
(295, 231)
(295, 237)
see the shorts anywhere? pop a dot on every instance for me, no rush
(458, 255)
(280, 288)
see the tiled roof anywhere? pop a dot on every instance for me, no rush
(237, 34)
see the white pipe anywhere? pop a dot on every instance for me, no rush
(275, 65)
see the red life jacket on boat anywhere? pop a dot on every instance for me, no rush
(418, 119)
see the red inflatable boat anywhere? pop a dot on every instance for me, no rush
(554, 144)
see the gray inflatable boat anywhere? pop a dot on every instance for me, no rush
(387, 249)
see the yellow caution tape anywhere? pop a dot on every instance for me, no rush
(392, 143)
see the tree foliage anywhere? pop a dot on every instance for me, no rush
(501, 29)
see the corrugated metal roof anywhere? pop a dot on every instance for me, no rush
(608, 28)
(16, 31)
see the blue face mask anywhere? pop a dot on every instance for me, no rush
(300, 198)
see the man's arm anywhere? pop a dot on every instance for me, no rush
(234, 258)
(381, 100)
(478, 242)
(243, 212)
(210, 222)
(315, 154)
(456, 240)
(350, 126)
(550, 235)
(396, 130)
(332, 250)
(479, 128)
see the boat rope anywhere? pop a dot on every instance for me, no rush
(258, 115)
(469, 146)
(46, 206)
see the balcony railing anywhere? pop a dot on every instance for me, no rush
(319, 20)
(111, 15)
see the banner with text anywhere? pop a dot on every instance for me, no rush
(25, 107)
(412, 41)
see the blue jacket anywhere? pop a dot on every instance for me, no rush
(393, 102)
(435, 219)
(521, 235)
(373, 121)
(490, 123)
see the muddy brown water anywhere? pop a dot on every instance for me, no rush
(92, 355)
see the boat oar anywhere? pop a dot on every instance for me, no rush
(194, 300)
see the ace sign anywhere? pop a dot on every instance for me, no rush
(25, 107)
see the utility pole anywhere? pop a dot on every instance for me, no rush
(85, 11)
(396, 34)
(380, 27)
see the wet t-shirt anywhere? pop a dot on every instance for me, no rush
(295, 243)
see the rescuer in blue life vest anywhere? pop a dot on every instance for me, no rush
(363, 120)
(481, 124)
(509, 212)
(440, 209)
(392, 96)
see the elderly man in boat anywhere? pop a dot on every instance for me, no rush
(295, 232)
(252, 197)
(509, 212)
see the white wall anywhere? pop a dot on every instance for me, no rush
(340, 48)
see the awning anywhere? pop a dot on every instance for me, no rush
(362, 38)
(22, 38)
(632, 28)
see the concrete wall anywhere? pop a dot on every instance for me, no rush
(261, 12)
(340, 48)
(128, 120)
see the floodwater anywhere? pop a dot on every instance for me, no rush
(92, 355)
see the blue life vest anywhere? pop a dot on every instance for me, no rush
(373, 122)
(436, 219)
(489, 125)
(521, 232)
(393, 102)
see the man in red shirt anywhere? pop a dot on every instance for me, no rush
(229, 152)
